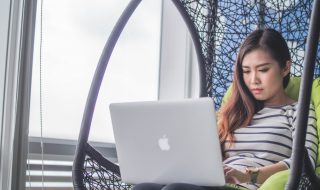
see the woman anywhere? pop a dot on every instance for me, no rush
(256, 125)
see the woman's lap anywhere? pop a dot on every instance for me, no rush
(173, 186)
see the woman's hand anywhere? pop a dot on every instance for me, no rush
(235, 176)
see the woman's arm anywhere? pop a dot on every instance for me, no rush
(267, 171)
(236, 176)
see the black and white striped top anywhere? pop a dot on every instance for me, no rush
(269, 138)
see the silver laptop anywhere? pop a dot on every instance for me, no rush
(168, 142)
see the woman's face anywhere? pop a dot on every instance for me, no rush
(264, 77)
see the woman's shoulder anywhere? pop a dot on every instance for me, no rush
(279, 110)
(296, 105)
(293, 108)
(288, 106)
(289, 109)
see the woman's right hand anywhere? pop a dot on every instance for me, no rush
(235, 176)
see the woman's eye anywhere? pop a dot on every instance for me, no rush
(245, 72)
(264, 70)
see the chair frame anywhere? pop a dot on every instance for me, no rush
(85, 151)
(83, 148)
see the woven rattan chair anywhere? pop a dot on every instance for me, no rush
(216, 28)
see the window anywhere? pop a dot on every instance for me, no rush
(73, 36)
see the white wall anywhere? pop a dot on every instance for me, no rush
(179, 77)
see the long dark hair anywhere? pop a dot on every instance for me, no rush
(238, 111)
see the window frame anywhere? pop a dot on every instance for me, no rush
(18, 34)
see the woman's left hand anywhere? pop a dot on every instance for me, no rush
(235, 176)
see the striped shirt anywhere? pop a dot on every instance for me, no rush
(268, 139)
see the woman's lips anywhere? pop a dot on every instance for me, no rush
(256, 90)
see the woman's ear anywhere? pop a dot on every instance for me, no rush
(286, 69)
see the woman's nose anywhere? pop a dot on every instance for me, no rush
(254, 78)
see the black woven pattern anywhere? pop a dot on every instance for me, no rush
(98, 177)
(222, 25)
(305, 183)
(100, 173)
(203, 14)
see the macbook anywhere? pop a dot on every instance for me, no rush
(168, 142)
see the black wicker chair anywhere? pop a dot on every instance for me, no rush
(217, 28)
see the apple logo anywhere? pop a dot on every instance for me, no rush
(164, 143)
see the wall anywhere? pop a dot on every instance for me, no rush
(179, 76)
